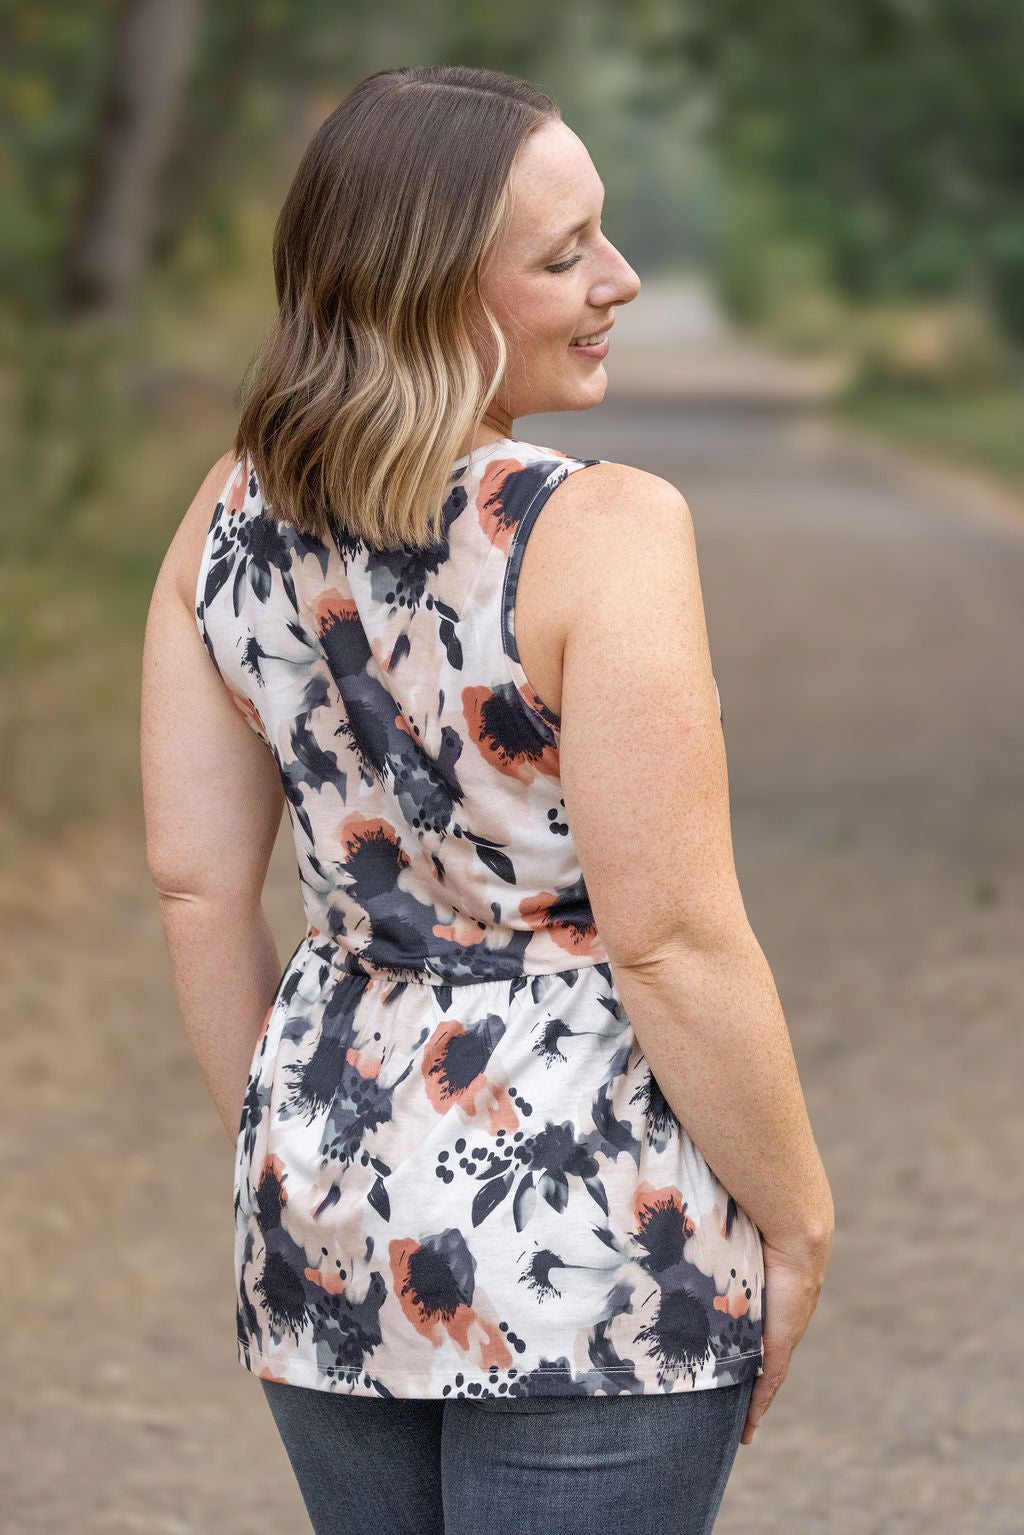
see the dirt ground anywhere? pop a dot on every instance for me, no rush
(865, 623)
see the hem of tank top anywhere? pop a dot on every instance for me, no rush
(199, 595)
(510, 582)
(315, 1378)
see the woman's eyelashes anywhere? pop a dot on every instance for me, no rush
(563, 266)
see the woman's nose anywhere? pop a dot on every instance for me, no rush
(626, 286)
(632, 286)
(623, 283)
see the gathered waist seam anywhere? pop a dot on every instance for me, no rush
(348, 963)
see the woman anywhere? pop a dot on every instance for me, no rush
(484, 1269)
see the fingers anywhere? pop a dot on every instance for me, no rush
(790, 1296)
(761, 1398)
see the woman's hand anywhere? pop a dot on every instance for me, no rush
(791, 1288)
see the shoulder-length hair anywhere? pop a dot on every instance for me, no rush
(358, 401)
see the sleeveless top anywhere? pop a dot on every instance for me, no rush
(455, 1174)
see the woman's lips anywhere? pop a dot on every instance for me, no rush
(598, 351)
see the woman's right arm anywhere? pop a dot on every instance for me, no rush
(643, 773)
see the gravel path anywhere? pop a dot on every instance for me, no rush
(866, 633)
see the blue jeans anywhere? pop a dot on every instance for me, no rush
(536, 1465)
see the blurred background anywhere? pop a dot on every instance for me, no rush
(825, 205)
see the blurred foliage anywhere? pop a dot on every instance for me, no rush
(879, 143)
(53, 62)
(972, 425)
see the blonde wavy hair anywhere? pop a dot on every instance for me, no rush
(370, 378)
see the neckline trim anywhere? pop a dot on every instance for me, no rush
(484, 451)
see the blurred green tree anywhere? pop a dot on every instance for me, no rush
(886, 134)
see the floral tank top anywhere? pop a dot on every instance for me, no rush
(455, 1174)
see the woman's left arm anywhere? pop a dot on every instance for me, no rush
(212, 800)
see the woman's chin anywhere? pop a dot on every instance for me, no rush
(581, 395)
(594, 387)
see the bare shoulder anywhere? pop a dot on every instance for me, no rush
(599, 522)
(599, 534)
(610, 488)
(596, 507)
(185, 552)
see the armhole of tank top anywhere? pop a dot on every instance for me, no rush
(199, 596)
(513, 564)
